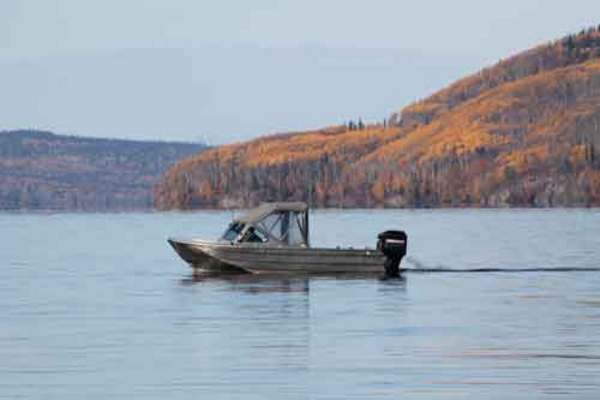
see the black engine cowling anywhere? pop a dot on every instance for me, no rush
(393, 245)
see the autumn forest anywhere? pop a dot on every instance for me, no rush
(524, 132)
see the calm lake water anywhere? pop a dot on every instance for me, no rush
(97, 306)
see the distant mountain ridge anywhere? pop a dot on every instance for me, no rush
(42, 170)
(525, 132)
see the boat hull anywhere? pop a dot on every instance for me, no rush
(257, 258)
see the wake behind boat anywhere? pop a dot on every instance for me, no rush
(275, 238)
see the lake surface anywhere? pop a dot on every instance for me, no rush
(97, 306)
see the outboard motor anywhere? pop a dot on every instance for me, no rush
(393, 245)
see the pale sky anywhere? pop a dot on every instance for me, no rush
(230, 70)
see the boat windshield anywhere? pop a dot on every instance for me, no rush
(233, 231)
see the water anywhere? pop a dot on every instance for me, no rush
(97, 306)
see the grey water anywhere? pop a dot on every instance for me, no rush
(97, 306)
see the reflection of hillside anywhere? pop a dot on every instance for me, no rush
(524, 132)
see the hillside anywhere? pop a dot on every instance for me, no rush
(41, 170)
(525, 132)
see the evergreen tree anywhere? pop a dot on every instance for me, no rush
(570, 44)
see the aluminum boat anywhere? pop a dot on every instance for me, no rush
(274, 238)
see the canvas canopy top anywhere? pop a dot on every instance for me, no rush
(265, 209)
(275, 223)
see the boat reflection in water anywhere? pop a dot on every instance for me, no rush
(284, 283)
(251, 283)
(274, 238)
